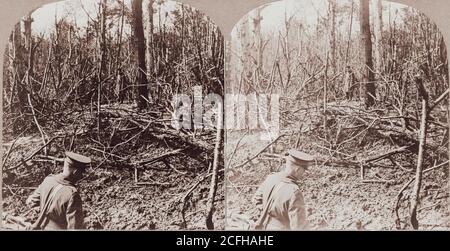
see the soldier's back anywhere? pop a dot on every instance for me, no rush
(279, 190)
(58, 193)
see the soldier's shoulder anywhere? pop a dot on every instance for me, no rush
(292, 188)
(50, 177)
(271, 179)
(70, 190)
(50, 180)
(275, 176)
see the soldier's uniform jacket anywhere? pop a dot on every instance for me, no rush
(64, 210)
(286, 208)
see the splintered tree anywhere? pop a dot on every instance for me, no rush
(20, 68)
(16, 71)
(332, 28)
(415, 199)
(29, 44)
(256, 20)
(366, 44)
(102, 68)
(150, 30)
(378, 27)
(119, 86)
(139, 49)
(244, 37)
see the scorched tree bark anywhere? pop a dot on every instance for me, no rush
(139, 47)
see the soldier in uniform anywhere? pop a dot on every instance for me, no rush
(58, 198)
(283, 207)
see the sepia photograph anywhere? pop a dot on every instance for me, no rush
(179, 116)
(97, 118)
(338, 118)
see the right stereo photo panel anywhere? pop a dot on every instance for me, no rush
(336, 117)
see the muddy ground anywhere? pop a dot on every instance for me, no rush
(335, 197)
(111, 198)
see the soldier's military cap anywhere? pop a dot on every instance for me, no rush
(298, 157)
(78, 160)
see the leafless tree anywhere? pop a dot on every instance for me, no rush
(366, 42)
(139, 46)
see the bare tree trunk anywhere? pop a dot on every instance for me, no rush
(14, 58)
(366, 43)
(378, 24)
(120, 35)
(286, 51)
(149, 49)
(444, 61)
(22, 91)
(445, 73)
(227, 66)
(102, 68)
(18, 68)
(245, 58)
(139, 47)
(119, 73)
(215, 171)
(349, 41)
(325, 94)
(258, 39)
(10, 73)
(422, 144)
(29, 43)
(332, 32)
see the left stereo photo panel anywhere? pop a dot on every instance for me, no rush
(112, 118)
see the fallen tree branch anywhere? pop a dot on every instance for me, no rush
(215, 173)
(106, 153)
(11, 147)
(185, 197)
(402, 190)
(388, 154)
(134, 136)
(379, 181)
(422, 144)
(46, 157)
(162, 184)
(16, 220)
(179, 136)
(31, 155)
(333, 151)
(37, 124)
(159, 130)
(235, 149)
(439, 100)
(259, 152)
(158, 158)
(173, 168)
(399, 165)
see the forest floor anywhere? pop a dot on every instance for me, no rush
(111, 198)
(335, 196)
